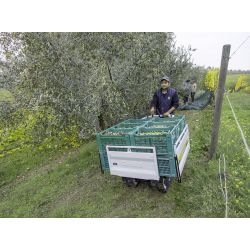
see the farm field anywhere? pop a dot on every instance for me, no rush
(70, 183)
(232, 79)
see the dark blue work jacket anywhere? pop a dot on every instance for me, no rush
(164, 102)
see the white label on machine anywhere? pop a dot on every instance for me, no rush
(134, 162)
(182, 147)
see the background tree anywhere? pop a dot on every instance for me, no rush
(89, 80)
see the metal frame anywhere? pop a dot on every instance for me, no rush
(147, 161)
(100, 164)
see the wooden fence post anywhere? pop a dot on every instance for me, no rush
(219, 99)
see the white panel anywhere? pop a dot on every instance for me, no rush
(180, 140)
(184, 158)
(182, 147)
(133, 164)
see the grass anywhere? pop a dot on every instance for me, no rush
(37, 190)
(240, 103)
(232, 79)
(237, 159)
(22, 164)
(231, 145)
(74, 186)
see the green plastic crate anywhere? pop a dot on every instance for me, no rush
(166, 166)
(128, 125)
(166, 125)
(141, 121)
(163, 143)
(178, 120)
(176, 117)
(104, 138)
(160, 124)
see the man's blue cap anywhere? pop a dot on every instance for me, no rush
(165, 78)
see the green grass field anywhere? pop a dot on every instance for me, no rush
(73, 186)
(237, 159)
(70, 184)
(232, 79)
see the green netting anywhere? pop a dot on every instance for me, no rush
(199, 103)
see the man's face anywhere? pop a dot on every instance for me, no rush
(165, 84)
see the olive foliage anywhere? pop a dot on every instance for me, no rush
(91, 80)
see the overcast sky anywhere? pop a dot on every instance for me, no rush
(209, 47)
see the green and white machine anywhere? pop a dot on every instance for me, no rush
(152, 149)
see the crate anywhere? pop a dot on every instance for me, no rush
(141, 121)
(164, 143)
(166, 125)
(177, 120)
(166, 166)
(159, 124)
(176, 117)
(133, 129)
(128, 125)
(104, 138)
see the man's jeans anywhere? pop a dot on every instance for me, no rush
(192, 96)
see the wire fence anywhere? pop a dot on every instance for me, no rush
(224, 187)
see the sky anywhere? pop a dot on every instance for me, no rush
(208, 48)
(209, 45)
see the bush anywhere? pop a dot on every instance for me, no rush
(36, 129)
(211, 80)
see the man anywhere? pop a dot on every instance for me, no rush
(165, 100)
(186, 91)
(193, 89)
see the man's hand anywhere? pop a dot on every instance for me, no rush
(166, 114)
(152, 111)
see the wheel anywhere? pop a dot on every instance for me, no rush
(153, 184)
(164, 183)
(130, 182)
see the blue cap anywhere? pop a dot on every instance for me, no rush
(165, 78)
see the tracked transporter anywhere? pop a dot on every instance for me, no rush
(151, 149)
